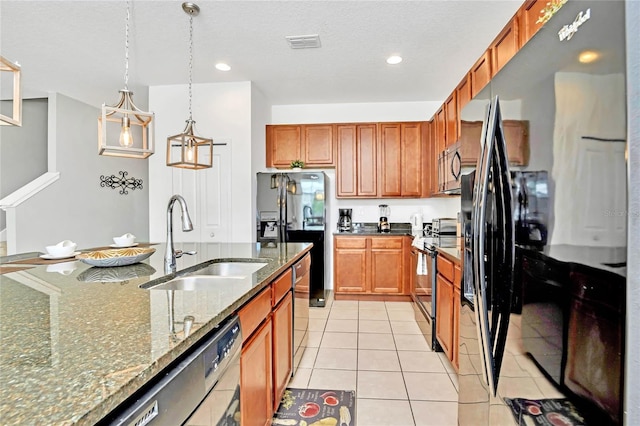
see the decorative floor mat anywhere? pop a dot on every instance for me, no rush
(316, 407)
(545, 412)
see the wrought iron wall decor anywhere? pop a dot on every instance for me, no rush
(122, 182)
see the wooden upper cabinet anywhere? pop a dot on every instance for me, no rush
(528, 16)
(481, 73)
(346, 172)
(400, 159)
(318, 145)
(464, 97)
(451, 116)
(440, 130)
(311, 143)
(411, 152)
(356, 174)
(428, 174)
(390, 159)
(505, 46)
(283, 145)
(367, 160)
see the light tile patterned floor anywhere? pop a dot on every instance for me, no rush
(376, 348)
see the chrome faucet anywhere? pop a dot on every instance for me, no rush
(170, 254)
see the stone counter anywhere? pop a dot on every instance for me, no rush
(76, 341)
(452, 253)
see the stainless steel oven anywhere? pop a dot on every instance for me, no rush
(424, 291)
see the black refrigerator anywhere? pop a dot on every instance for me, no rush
(542, 314)
(291, 207)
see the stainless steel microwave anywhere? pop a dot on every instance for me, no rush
(450, 169)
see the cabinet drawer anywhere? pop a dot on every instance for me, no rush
(281, 286)
(254, 312)
(457, 276)
(351, 242)
(302, 267)
(445, 267)
(386, 242)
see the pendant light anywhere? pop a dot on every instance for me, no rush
(124, 130)
(6, 66)
(187, 150)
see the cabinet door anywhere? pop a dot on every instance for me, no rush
(387, 260)
(451, 116)
(282, 346)
(346, 172)
(505, 46)
(528, 16)
(444, 314)
(481, 73)
(470, 142)
(367, 160)
(284, 144)
(455, 339)
(427, 173)
(256, 406)
(441, 129)
(350, 264)
(389, 159)
(318, 145)
(411, 160)
(464, 97)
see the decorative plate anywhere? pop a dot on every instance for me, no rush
(116, 257)
(117, 274)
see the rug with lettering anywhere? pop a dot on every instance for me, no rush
(316, 407)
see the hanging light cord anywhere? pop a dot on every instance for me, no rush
(190, 62)
(126, 51)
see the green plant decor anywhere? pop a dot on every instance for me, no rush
(297, 163)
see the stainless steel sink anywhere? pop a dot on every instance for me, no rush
(198, 282)
(207, 278)
(231, 269)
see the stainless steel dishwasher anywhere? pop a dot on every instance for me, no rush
(202, 389)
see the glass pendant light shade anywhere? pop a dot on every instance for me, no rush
(11, 71)
(189, 151)
(124, 130)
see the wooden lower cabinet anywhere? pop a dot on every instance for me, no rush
(371, 265)
(448, 307)
(282, 324)
(444, 314)
(256, 395)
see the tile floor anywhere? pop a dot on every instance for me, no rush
(377, 349)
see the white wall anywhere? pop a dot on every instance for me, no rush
(222, 111)
(23, 150)
(75, 207)
(366, 210)
(260, 117)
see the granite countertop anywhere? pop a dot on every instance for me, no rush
(371, 228)
(76, 340)
(452, 252)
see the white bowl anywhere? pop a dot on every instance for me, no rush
(125, 240)
(63, 248)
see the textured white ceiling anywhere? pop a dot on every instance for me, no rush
(77, 47)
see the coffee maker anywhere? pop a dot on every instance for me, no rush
(383, 223)
(344, 222)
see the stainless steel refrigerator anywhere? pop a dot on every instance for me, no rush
(542, 315)
(291, 207)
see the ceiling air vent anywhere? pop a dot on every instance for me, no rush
(303, 41)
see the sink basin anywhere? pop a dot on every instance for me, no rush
(231, 269)
(198, 282)
(216, 274)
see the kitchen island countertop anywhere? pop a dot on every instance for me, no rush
(76, 341)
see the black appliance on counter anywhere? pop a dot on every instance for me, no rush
(544, 288)
(344, 220)
(291, 207)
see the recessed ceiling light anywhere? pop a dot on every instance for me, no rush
(588, 56)
(393, 60)
(223, 67)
